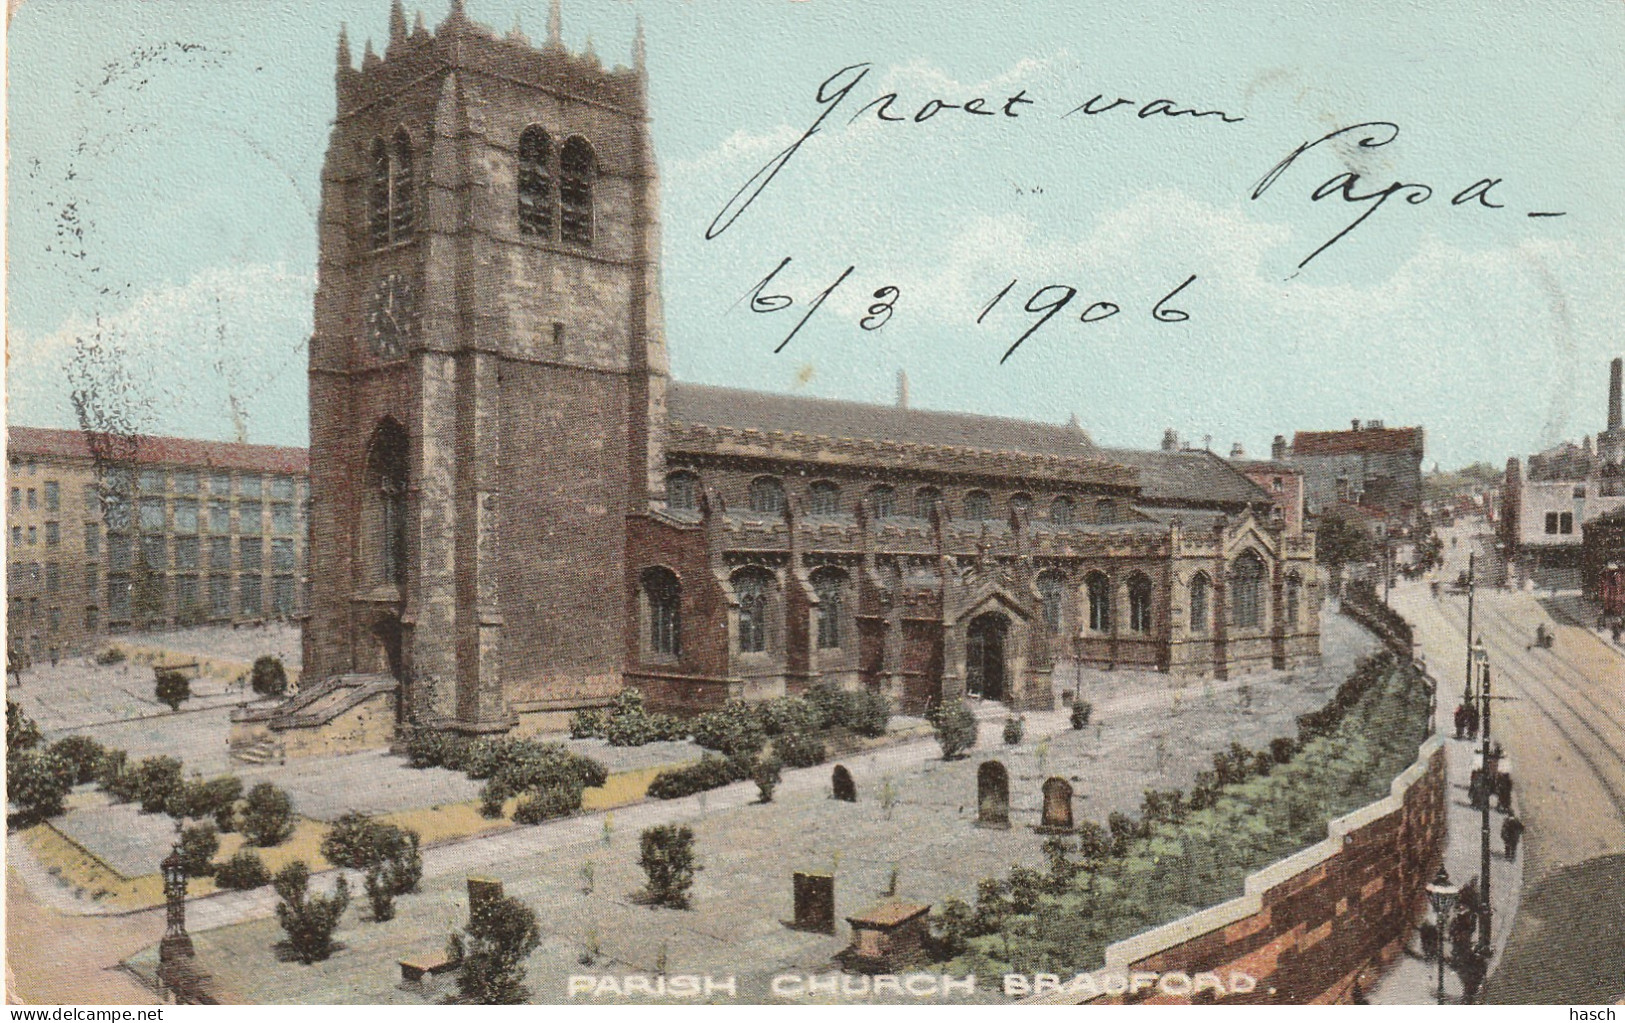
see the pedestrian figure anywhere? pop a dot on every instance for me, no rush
(1511, 833)
(1461, 720)
(1475, 789)
(1472, 722)
(1461, 937)
(1471, 971)
(1503, 792)
(1428, 935)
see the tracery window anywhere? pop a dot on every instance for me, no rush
(825, 498)
(535, 182)
(882, 502)
(663, 597)
(1061, 511)
(1139, 603)
(829, 584)
(752, 586)
(1201, 590)
(1051, 592)
(682, 491)
(577, 168)
(1246, 591)
(391, 212)
(925, 499)
(1099, 589)
(978, 506)
(767, 495)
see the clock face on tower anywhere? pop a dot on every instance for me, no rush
(392, 315)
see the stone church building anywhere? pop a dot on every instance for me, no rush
(516, 511)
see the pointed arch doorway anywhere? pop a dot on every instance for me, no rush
(986, 637)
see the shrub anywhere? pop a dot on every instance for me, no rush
(1081, 709)
(786, 714)
(83, 752)
(112, 655)
(1014, 727)
(157, 780)
(268, 677)
(830, 704)
(267, 815)
(361, 843)
(951, 927)
(379, 896)
(309, 920)
(955, 726)
(171, 687)
(425, 747)
(242, 871)
(38, 783)
(766, 776)
(199, 843)
(21, 731)
(548, 803)
(710, 773)
(733, 730)
(218, 799)
(114, 777)
(668, 862)
(1282, 749)
(869, 713)
(499, 938)
(797, 749)
(524, 765)
(587, 724)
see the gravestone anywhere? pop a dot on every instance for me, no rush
(889, 937)
(842, 785)
(1057, 807)
(815, 902)
(992, 795)
(483, 892)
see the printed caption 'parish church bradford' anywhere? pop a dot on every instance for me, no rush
(516, 512)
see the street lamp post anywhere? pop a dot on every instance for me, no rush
(1490, 767)
(1467, 686)
(1442, 897)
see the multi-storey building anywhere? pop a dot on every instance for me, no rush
(169, 532)
(1371, 465)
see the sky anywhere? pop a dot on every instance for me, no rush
(164, 160)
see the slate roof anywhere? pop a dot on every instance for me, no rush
(1199, 476)
(701, 404)
(42, 443)
(1382, 440)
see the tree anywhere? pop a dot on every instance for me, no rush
(199, 843)
(309, 920)
(1339, 541)
(38, 783)
(500, 936)
(171, 687)
(242, 871)
(955, 726)
(83, 752)
(268, 677)
(157, 780)
(668, 862)
(267, 815)
(21, 732)
(766, 775)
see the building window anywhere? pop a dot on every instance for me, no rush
(1551, 523)
(152, 515)
(1106, 511)
(1247, 591)
(1139, 603)
(663, 595)
(829, 584)
(1277, 484)
(93, 540)
(882, 501)
(33, 535)
(1099, 589)
(220, 552)
(535, 183)
(925, 499)
(93, 619)
(16, 536)
(280, 488)
(155, 551)
(682, 491)
(92, 579)
(220, 517)
(1051, 594)
(251, 554)
(577, 168)
(282, 596)
(978, 506)
(248, 596)
(187, 607)
(766, 496)
(1293, 587)
(92, 496)
(1565, 523)
(220, 596)
(387, 469)
(186, 515)
(751, 586)
(1201, 589)
(118, 552)
(220, 484)
(282, 518)
(33, 498)
(53, 577)
(53, 496)
(16, 499)
(53, 620)
(282, 557)
(118, 598)
(152, 481)
(118, 511)
(53, 534)
(250, 486)
(1022, 504)
(824, 498)
(184, 482)
(390, 212)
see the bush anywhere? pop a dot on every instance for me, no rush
(587, 724)
(498, 940)
(21, 731)
(112, 655)
(797, 749)
(869, 714)
(267, 815)
(199, 843)
(1014, 727)
(426, 747)
(548, 803)
(766, 776)
(733, 730)
(1081, 709)
(171, 687)
(268, 677)
(710, 773)
(955, 726)
(361, 843)
(379, 896)
(38, 783)
(218, 799)
(830, 705)
(83, 752)
(668, 862)
(309, 920)
(786, 714)
(114, 777)
(242, 871)
(524, 765)
(157, 781)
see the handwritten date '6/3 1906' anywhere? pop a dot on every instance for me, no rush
(1046, 302)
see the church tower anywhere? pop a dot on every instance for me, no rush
(487, 374)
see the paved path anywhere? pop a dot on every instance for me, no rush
(1564, 731)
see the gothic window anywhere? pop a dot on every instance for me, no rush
(1294, 586)
(682, 491)
(1106, 511)
(978, 506)
(387, 459)
(924, 500)
(577, 167)
(883, 501)
(829, 583)
(1022, 504)
(752, 586)
(663, 595)
(1099, 589)
(1247, 591)
(767, 495)
(1139, 603)
(535, 183)
(1051, 593)
(825, 498)
(1201, 590)
(391, 216)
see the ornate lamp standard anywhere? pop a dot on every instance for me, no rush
(1489, 767)
(176, 942)
(1442, 897)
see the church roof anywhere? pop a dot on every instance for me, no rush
(701, 404)
(1197, 476)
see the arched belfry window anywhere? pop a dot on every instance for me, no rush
(391, 213)
(662, 601)
(535, 183)
(1201, 593)
(1139, 603)
(387, 479)
(578, 167)
(753, 587)
(1247, 591)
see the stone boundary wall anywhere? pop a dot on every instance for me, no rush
(1307, 929)
(1390, 628)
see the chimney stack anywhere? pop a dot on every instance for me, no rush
(902, 389)
(1237, 451)
(1170, 439)
(1278, 448)
(1614, 370)
(1354, 425)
